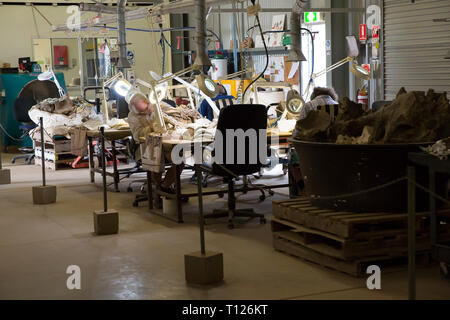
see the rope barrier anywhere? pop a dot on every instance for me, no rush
(431, 192)
(348, 195)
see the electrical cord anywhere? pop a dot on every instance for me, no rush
(10, 136)
(312, 63)
(267, 54)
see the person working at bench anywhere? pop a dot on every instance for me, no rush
(141, 120)
(324, 99)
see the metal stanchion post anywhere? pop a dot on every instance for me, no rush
(200, 208)
(105, 221)
(411, 233)
(5, 174)
(43, 194)
(41, 123)
(105, 193)
(203, 267)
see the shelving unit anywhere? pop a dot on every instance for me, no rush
(57, 154)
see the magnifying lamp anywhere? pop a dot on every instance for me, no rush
(294, 102)
(159, 91)
(207, 85)
(49, 75)
(119, 84)
(360, 71)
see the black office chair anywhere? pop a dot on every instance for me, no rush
(32, 93)
(21, 108)
(235, 117)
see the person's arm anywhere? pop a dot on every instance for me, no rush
(140, 126)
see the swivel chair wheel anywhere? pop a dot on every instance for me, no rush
(271, 192)
(221, 195)
(129, 189)
(230, 225)
(262, 197)
(135, 204)
(262, 221)
(13, 161)
(204, 184)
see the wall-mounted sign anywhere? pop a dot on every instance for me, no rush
(328, 47)
(130, 57)
(311, 17)
(376, 32)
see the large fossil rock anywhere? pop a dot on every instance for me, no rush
(412, 117)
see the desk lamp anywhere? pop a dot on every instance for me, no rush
(294, 100)
(49, 75)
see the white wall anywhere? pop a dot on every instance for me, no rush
(18, 28)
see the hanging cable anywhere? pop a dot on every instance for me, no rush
(311, 80)
(10, 136)
(35, 22)
(267, 54)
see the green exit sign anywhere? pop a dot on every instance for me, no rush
(311, 17)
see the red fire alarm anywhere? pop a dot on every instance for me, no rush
(60, 56)
(363, 32)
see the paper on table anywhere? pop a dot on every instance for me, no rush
(294, 69)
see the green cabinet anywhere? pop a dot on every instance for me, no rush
(11, 84)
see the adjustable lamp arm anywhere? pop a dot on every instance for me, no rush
(60, 89)
(332, 67)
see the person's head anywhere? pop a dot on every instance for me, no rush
(140, 104)
(319, 91)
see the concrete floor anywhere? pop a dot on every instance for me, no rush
(146, 259)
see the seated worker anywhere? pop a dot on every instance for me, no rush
(222, 100)
(321, 98)
(141, 120)
(324, 99)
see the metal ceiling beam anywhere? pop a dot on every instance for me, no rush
(282, 10)
(97, 8)
(182, 6)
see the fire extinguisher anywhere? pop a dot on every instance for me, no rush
(363, 97)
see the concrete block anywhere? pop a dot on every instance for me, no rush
(44, 194)
(106, 222)
(203, 269)
(5, 176)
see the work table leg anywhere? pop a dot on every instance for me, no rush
(91, 159)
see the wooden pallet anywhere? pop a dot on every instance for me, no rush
(355, 267)
(348, 224)
(349, 248)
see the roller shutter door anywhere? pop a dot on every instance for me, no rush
(415, 46)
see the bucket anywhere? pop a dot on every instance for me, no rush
(330, 169)
(219, 68)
